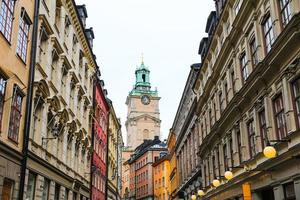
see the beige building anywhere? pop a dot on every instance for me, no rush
(60, 136)
(143, 121)
(15, 45)
(112, 164)
(126, 153)
(247, 99)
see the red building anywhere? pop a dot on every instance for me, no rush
(100, 123)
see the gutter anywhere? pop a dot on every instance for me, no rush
(29, 98)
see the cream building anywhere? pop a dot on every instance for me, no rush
(143, 121)
(113, 137)
(60, 136)
(16, 18)
(247, 99)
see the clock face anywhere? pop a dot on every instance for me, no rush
(145, 99)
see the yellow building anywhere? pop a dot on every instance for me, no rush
(161, 183)
(172, 179)
(16, 19)
(113, 176)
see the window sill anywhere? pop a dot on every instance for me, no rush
(13, 141)
(19, 57)
(9, 43)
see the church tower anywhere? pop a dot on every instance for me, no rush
(143, 121)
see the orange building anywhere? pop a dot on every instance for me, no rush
(162, 186)
(141, 170)
(173, 165)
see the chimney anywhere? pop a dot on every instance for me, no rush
(105, 92)
(90, 36)
(82, 14)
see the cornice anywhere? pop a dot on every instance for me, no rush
(77, 24)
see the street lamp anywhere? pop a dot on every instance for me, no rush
(270, 151)
(228, 175)
(201, 193)
(216, 183)
(194, 197)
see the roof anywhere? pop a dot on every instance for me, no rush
(148, 145)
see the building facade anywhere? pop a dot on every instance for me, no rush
(15, 46)
(100, 138)
(120, 164)
(141, 185)
(247, 92)
(143, 121)
(59, 157)
(161, 182)
(185, 127)
(173, 176)
(126, 153)
(112, 162)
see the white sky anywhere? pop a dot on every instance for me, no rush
(168, 32)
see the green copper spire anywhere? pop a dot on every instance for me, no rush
(142, 81)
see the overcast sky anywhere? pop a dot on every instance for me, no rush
(167, 32)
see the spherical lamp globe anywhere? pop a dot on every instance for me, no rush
(194, 197)
(216, 183)
(228, 175)
(201, 193)
(270, 152)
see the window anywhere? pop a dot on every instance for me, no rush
(23, 36)
(239, 144)
(268, 32)
(205, 175)
(2, 96)
(244, 66)
(225, 156)
(15, 115)
(285, 10)
(221, 101)
(237, 7)
(251, 137)
(64, 73)
(226, 90)
(231, 149)
(263, 127)
(279, 117)
(58, 13)
(46, 186)
(74, 196)
(7, 189)
(6, 18)
(289, 191)
(296, 92)
(232, 76)
(57, 191)
(253, 49)
(31, 187)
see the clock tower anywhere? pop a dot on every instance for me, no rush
(143, 120)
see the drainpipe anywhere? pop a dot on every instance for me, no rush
(107, 147)
(117, 174)
(29, 98)
(93, 137)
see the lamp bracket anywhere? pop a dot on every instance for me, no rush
(280, 141)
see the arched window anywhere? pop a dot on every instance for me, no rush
(144, 77)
